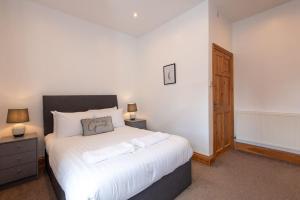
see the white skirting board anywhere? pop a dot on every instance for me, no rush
(279, 131)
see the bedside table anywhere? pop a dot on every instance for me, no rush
(18, 159)
(137, 123)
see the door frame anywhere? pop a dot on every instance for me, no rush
(219, 48)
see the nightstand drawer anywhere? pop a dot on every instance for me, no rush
(140, 125)
(137, 123)
(16, 173)
(17, 159)
(17, 147)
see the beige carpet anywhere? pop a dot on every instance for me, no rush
(241, 176)
(235, 176)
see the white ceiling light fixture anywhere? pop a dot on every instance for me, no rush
(135, 15)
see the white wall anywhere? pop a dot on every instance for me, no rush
(267, 83)
(45, 52)
(220, 28)
(181, 108)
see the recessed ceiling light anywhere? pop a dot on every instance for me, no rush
(135, 15)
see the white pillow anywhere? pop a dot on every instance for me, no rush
(69, 124)
(116, 115)
(104, 110)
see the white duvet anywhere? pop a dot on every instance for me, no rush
(117, 178)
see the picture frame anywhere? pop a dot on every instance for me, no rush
(169, 72)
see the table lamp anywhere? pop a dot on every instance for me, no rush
(18, 116)
(132, 108)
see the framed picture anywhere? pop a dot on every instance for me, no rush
(170, 74)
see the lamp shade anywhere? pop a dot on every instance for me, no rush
(17, 115)
(131, 107)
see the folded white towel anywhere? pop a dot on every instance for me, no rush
(106, 153)
(150, 139)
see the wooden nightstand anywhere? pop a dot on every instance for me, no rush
(137, 123)
(18, 159)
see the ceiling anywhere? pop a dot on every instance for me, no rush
(236, 10)
(118, 14)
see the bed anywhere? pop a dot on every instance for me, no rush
(166, 182)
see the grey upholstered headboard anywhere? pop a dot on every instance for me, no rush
(73, 103)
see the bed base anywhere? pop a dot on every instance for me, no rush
(167, 188)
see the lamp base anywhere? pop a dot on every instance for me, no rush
(21, 135)
(18, 130)
(132, 116)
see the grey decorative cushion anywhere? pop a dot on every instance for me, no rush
(97, 126)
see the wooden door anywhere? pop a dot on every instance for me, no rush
(222, 99)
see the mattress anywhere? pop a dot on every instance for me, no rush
(117, 178)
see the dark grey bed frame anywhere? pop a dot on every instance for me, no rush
(167, 188)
